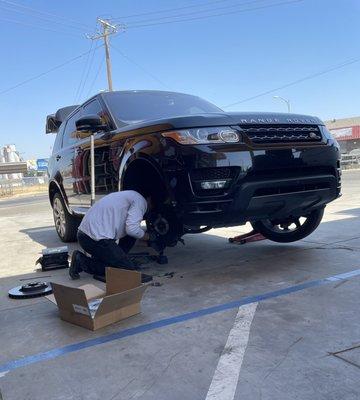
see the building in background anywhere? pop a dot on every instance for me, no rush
(8, 154)
(347, 132)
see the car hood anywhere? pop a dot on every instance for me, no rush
(221, 119)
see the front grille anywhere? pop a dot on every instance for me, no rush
(282, 133)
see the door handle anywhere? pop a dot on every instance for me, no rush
(58, 158)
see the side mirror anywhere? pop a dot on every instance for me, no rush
(89, 123)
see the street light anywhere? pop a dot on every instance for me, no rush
(285, 100)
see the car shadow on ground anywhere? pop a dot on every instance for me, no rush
(47, 237)
(211, 251)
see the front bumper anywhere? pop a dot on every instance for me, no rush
(263, 184)
(270, 199)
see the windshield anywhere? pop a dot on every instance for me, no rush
(131, 107)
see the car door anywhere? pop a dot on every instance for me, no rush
(55, 166)
(69, 160)
(105, 178)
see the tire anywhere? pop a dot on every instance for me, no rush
(274, 230)
(66, 225)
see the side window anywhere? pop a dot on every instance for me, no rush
(95, 108)
(58, 139)
(70, 129)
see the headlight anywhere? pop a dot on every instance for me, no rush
(204, 135)
(327, 133)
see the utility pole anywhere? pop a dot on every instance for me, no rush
(107, 30)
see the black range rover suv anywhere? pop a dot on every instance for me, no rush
(209, 168)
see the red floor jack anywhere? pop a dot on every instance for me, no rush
(252, 236)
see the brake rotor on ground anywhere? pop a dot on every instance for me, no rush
(29, 290)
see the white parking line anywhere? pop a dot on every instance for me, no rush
(224, 382)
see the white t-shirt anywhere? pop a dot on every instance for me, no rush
(115, 216)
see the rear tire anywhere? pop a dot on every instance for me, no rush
(66, 225)
(279, 231)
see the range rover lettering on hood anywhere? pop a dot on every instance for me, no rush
(277, 121)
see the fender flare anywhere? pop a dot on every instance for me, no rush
(61, 191)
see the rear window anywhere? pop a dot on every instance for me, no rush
(58, 140)
(131, 107)
(70, 130)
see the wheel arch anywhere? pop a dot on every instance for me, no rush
(142, 168)
(55, 187)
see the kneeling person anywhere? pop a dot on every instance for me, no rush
(116, 217)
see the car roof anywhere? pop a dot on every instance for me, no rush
(106, 93)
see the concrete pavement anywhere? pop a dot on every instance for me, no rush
(280, 349)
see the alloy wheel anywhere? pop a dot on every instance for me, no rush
(59, 217)
(286, 226)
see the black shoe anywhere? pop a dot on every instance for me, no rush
(75, 267)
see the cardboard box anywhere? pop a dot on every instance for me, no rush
(92, 308)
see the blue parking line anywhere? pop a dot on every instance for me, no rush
(54, 353)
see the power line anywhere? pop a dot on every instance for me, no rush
(208, 3)
(45, 72)
(308, 77)
(33, 10)
(13, 21)
(215, 15)
(140, 67)
(200, 11)
(87, 73)
(52, 21)
(95, 77)
(77, 93)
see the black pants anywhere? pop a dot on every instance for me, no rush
(105, 253)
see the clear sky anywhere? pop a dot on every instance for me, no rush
(225, 59)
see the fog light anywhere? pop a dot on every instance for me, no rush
(213, 184)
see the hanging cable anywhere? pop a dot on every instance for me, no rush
(45, 72)
(12, 21)
(306, 78)
(206, 4)
(77, 93)
(37, 12)
(140, 67)
(197, 13)
(87, 72)
(95, 77)
(214, 15)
